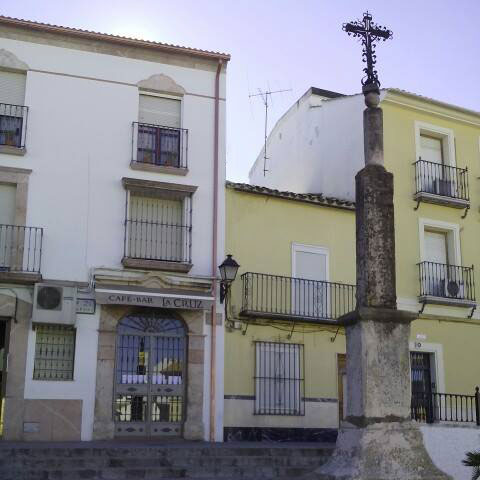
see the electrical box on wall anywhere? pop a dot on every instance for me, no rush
(54, 304)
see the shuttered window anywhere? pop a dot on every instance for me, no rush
(279, 381)
(156, 228)
(12, 88)
(159, 111)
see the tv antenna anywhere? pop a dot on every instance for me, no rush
(265, 97)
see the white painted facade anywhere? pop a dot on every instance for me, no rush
(314, 147)
(79, 147)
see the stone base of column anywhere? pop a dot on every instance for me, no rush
(382, 451)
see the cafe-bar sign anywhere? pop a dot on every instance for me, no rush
(145, 300)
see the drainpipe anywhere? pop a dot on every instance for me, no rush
(213, 346)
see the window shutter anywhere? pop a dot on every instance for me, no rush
(431, 149)
(7, 203)
(159, 111)
(12, 88)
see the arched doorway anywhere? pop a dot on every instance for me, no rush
(149, 396)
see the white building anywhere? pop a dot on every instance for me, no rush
(112, 167)
(313, 148)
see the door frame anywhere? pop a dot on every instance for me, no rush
(3, 384)
(341, 373)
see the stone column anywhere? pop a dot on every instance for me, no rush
(378, 440)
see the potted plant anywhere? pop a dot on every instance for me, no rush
(473, 460)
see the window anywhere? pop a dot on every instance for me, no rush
(309, 286)
(441, 271)
(279, 379)
(12, 111)
(8, 232)
(54, 352)
(160, 140)
(157, 228)
(158, 225)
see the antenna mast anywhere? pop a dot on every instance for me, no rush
(265, 97)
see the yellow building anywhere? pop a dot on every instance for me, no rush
(284, 352)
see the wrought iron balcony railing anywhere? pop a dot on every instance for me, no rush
(13, 125)
(448, 282)
(160, 146)
(274, 296)
(430, 407)
(441, 180)
(162, 241)
(20, 249)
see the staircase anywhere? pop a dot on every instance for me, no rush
(152, 461)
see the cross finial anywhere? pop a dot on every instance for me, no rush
(369, 33)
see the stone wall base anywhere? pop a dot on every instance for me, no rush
(381, 451)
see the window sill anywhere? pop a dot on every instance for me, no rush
(441, 200)
(454, 302)
(146, 264)
(150, 167)
(9, 150)
(26, 278)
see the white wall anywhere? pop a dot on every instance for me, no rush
(447, 446)
(79, 146)
(79, 141)
(82, 387)
(316, 147)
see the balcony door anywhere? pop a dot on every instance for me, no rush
(8, 193)
(309, 287)
(436, 177)
(436, 251)
(422, 386)
(158, 131)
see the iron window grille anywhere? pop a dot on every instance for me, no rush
(279, 379)
(13, 125)
(446, 281)
(160, 145)
(54, 352)
(20, 248)
(159, 228)
(443, 180)
(286, 297)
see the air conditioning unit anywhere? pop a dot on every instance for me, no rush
(455, 289)
(443, 187)
(54, 304)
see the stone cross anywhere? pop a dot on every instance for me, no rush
(378, 439)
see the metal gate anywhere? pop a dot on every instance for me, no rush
(149, 397)
(422, 398)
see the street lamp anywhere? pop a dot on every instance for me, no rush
(228, 272)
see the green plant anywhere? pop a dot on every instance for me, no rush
(473, 460)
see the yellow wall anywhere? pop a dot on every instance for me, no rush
(260, 231)
(400, 153)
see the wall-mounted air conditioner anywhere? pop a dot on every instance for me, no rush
(54, 304)
(443, 187)
(455, 289)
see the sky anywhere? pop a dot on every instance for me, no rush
(293, 45)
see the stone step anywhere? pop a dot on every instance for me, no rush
(149, 452)
(154, 473)
(154, 462)
(184, 462)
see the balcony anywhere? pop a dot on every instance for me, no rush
(159, 149)
(13, 128)
(433, 407)
(277, 297)
(158, 245)
(441, 184)
(20, 253)
(446, 284)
